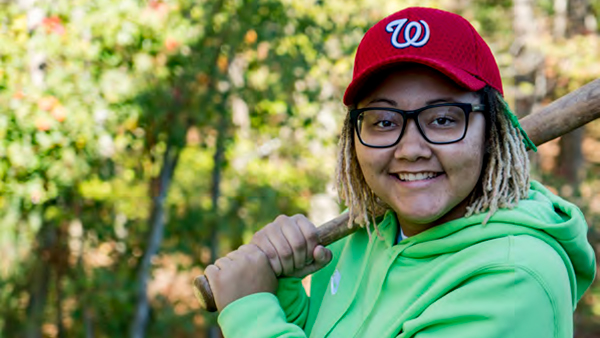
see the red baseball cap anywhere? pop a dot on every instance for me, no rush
(431, 37)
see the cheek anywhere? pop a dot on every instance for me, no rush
(468, 163)
(471, 167)
(363, 156)
(371, 162)
(365, 163)
(473, 150)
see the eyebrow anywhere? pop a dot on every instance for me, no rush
(441, 100)
(383, 99)
(395, 104)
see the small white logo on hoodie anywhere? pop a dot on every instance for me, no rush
(335, 282)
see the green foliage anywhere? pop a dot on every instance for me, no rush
(95, 93)
(81, 148)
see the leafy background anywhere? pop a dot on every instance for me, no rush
(142, 139)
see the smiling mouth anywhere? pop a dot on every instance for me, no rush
(410, 177)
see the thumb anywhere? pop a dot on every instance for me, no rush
(322, 255)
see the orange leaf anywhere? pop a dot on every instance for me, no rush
(42, 124)
(202, 79)
(48, 103)
(171, 44)
(222, 63)
(59, 113)
(160, 7)
(19, 95)
(53, 25)
(251, 36)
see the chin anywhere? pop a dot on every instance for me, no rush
(423, 220)
(420, 218)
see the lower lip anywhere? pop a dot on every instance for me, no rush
(419, 183)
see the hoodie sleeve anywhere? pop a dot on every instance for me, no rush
(293, 300)
(257, 316)
(522, 298)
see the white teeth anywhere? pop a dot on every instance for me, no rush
(417, 176)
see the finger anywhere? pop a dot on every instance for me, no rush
(262, 241)
(309, 230)
(257, 259)
(251, 250)
(223, 262)
(297, 242)
(211, 272)
(255, 254)
(282, 246)
(235, 255)
(322, 258)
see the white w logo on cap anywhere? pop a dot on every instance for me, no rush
(411, 37)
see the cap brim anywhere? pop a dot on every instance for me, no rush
(459, 76)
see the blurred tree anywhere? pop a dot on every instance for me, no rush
(570, 159)
(142, 139)
(150, 77)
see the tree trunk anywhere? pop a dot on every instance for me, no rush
(157, 224)
(530, 80)
(86, 308)
(218, 159)
(560, 19)
(40, 273)
(213, 330)
(40, 280)
(88, 322)
(59, 307)
(577, 12)
(570, 158)
(528, 61)
(60, 264)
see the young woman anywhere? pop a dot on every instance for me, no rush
(457, 242)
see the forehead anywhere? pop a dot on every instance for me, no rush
(413, 84)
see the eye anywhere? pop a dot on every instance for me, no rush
(384, 124)
(442, 117)
(380, 120)
(443, 121)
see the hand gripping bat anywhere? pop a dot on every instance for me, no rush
(559, 118)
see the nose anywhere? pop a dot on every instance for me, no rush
(412, 145)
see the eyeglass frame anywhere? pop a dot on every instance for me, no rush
(467, 108)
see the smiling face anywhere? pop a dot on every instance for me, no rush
(425, 184)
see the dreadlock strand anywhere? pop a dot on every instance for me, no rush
(506, 168)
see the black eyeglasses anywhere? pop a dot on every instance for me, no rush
(382, 127)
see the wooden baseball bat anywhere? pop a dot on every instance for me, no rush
(559, 118)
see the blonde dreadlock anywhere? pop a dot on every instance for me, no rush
(504, 180)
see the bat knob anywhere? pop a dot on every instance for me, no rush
(204, 294)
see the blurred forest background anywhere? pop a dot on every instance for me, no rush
(140, 140)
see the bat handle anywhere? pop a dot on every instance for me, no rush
(327, 233)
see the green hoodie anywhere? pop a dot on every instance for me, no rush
(519, 276)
